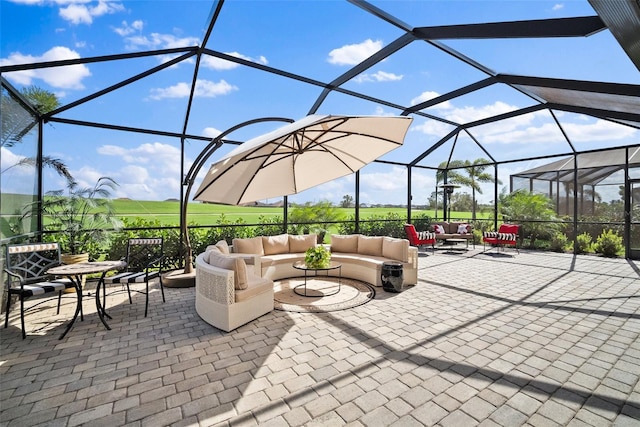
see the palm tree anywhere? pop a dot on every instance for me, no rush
(475, 176)
(17, 123)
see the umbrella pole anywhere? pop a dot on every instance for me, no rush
(193, 172)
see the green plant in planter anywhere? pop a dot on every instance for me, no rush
(317, 257)
(81, 217)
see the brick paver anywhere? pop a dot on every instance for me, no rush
(541, 339)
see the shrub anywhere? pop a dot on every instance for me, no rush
(608, 244)
(583, 243)
(558, 242)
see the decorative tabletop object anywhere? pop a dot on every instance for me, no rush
(317, 257)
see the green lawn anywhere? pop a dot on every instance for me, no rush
(168, 212)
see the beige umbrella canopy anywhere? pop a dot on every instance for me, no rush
(299, 156)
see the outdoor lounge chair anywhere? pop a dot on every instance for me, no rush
(507, 235)
(419, 239)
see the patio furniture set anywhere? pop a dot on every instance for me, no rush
(458, 232)
(33, 269)
(234, 284)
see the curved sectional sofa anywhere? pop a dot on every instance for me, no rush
(234, 285)
(361, 256)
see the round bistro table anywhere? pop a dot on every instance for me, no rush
(75, 272)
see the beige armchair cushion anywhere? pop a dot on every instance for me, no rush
(299, 243)
(236, 264)
(251, 245)
(274, 245)
(370, 245)
(344, 243)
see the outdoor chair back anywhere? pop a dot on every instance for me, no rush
(26, 266)
(145, 262)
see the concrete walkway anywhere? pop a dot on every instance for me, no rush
(538, 339)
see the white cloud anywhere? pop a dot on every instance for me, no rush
(78, 12)
(428, 95)
(222, 64)
(159, 41)
(8, 159)
(600, 130)
(432, 127)
(69, 77)
(148, 172)
(204, 88)
(353, 54)
(126, 29)
(380, 76)
(211, 132)
(557, 6)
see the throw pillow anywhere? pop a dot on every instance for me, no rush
(438, 228)
(370, 245)
(344, 243)
(273, 245)
(463, 229)
(298, 243)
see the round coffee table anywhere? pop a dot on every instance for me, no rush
(300, 265)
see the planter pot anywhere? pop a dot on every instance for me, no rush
(75, 259)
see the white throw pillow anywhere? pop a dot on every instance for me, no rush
(463, 229)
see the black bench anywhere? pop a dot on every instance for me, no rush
(26, 266)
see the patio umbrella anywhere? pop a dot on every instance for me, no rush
(299, 156)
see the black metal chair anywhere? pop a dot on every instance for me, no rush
(26, 266)
(145, 262)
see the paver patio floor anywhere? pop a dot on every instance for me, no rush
(539, 339)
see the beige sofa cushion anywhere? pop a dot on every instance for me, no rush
(223, 246)
(251, 245)
(256, 286)
(344, 243)
(299, 243)
(236, 264)
(370, 245)
(273, 245)
(397, 249)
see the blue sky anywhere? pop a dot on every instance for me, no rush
(317, 39)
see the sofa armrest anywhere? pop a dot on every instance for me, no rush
(214, 283)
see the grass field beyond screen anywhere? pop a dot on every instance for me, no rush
(168, 212)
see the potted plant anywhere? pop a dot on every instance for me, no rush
(81, 218)
(317, 257)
